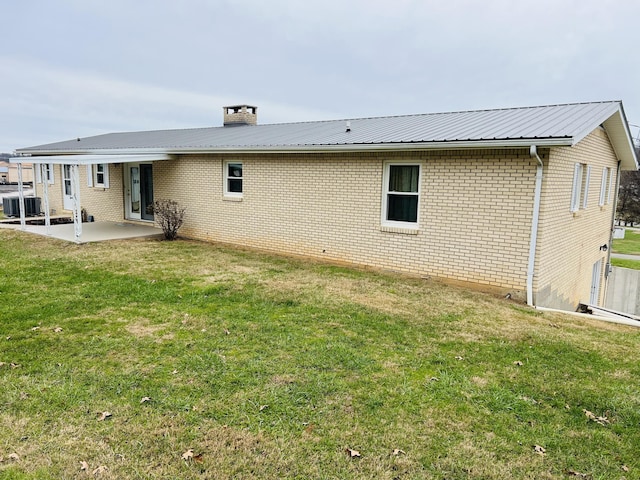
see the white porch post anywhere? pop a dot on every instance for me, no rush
(23, 222)
(45, 194)
(75, 195)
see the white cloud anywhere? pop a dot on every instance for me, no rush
(66, 103)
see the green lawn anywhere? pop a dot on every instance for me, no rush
(150, 359)
(630, 244)
(624, 263)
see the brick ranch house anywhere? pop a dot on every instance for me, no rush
(521, 200)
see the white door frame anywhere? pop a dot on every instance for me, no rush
(595, 283)
(134, 191)
(67, 188)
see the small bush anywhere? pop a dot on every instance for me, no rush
(169, 216)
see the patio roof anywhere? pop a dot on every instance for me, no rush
(90, 159)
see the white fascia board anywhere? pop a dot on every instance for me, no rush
(594, 122)
(90, 159)
(617, 129)
(384, 147)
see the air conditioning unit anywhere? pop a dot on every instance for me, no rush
(11, 206)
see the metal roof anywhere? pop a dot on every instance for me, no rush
(510, 127)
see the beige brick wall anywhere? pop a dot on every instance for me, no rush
(474, 219)
(475, 214)
(102, 203)
(569, 242)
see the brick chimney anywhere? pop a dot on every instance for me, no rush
(240, 115)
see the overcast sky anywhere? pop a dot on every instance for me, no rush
(75, 68)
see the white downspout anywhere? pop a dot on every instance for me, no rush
(533, 152)
(613, 227)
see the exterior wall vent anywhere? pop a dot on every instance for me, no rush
(240, 115)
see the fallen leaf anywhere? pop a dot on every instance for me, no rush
(33, 329)
(263, 407)
(458, 357)
(8, 338)
(15, 365)
(573, 473)
(57, 329)
(198, 458)
(203, 330)
(567, 407)
(227, 332)
(84, 466)
(14, 456)
(188, 455)
(145, 399)
(624, 468)
(101, 469)
(600, 420)
(103, 416)
(518, 363)
(397, 451)
(539, 450)
(174, 372)
(2, 364)
(352, 453)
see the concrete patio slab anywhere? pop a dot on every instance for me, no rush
(93, 231)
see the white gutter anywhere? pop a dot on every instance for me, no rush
(382, 147)
(533, 152)
(80, 159)
(613, 218)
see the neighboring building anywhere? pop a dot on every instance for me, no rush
(520, 200)
(9, 172)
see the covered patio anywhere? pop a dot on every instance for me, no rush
(91, 232)
(78, 231)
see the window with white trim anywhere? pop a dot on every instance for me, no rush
(580, 189)
(98, 175)
(48, 173)
(233, 179)
(605, 186)
(401, 191)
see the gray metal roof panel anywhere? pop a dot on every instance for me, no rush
(566, 121)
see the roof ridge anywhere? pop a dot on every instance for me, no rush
(406, 115)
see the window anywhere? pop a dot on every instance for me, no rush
(401, 195)
(605, 186)
(48, 173)
(98, 175)
(233, 179)
(580, 190)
